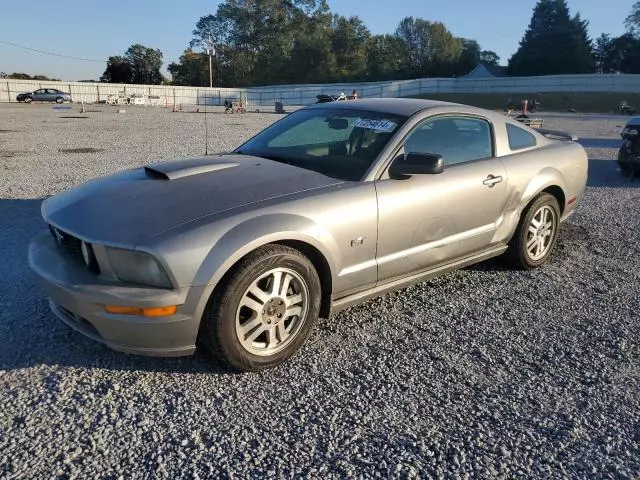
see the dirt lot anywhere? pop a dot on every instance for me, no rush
(481, 373)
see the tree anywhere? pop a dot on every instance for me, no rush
(603, 53)
(273, 42)
(624, 54)
(118, 71)
(469, 56)
(255, 38)
(26, 76)
(139, 65)
(632, 22)
(349, 44)
(312, 60)
(433, 50)
(472, 55)
(554, 43)
(489, 57)
(145, 64)
(387, 58)
(192, 69)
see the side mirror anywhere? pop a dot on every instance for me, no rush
(416, 164)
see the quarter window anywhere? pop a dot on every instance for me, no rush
(456, 139)
(519, 138)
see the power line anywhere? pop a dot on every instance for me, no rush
(51, 53)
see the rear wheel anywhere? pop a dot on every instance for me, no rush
(59, 100)
(537, 232)
(264, 311)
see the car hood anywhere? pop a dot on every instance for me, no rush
(127, 207)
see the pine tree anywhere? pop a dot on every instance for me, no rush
(555, 43)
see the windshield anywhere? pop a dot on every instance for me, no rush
(338, 142)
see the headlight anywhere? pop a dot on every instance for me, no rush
(137, 267)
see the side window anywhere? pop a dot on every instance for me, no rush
(519, 138)
(456, 139)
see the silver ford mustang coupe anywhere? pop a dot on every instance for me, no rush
(333, 204)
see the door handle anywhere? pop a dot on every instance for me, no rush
(491, 180)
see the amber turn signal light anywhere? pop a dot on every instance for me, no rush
(143, 312)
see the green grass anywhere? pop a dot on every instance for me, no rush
(551, 102)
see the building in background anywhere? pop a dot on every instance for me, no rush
(487, 71)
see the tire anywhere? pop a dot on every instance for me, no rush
(247, 325)
(27, 100)
(59, 100)
(522, 253)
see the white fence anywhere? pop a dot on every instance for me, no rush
(305, 94)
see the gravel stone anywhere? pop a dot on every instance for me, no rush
(484, 372)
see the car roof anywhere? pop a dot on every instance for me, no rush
(395, 106)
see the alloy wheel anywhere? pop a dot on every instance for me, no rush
(541, 232)
(272, 311)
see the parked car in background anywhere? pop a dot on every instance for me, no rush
(45, 95)
(332, 205)
(629, 152)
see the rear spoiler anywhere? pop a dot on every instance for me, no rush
(557, 135)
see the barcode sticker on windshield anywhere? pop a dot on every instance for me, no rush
(382, 125)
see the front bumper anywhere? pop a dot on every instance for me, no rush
(78, 297)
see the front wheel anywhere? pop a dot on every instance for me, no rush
(264, 311)
(537, 232)
(28, 100)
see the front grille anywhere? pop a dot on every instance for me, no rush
(71, 245)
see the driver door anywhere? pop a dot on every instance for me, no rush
(431, 219)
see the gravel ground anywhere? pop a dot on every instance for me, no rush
(481, 373)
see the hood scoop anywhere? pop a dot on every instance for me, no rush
(185, 168)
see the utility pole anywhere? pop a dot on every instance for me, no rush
(210, 51)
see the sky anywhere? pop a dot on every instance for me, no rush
(97, 30)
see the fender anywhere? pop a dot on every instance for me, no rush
(253, 233)
(547, 177)
(518, 200)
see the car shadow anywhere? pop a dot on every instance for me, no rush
(606, 173)
(31, 335)
(600, 142)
